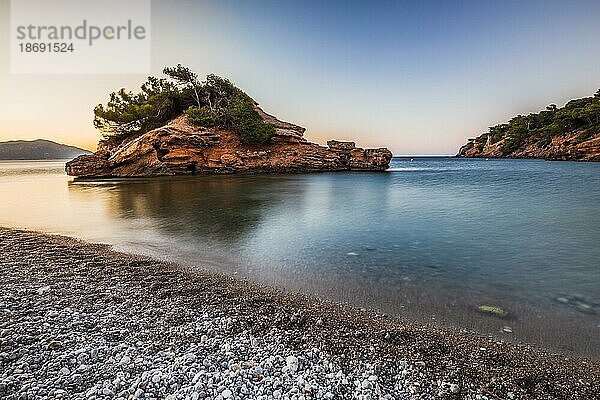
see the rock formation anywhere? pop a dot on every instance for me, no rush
(571, 132)
(180, 148)
(567, 147)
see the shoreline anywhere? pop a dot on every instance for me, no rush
(137, 324)
(521, 158)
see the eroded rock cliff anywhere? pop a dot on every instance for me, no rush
(567, 147)
(571, 132)
(180, 148)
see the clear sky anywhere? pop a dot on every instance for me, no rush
(418, 77)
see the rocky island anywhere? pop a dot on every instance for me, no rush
(570, 133)
(179, 126)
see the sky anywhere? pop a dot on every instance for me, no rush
(417, 77)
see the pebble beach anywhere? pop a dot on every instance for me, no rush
(81, 321)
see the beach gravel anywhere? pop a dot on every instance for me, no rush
(80, 321)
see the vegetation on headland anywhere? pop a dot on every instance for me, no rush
(579, 115)
(214, 103)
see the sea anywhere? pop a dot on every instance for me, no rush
(431, 240)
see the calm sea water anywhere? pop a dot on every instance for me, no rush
(431, 239)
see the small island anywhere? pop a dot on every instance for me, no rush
(570, 133)
(180, 126)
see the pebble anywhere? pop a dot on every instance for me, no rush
(100, 337)
(43, 290)
(454, 388)
(292, 363)
(55, 345)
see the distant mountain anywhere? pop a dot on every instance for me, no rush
(40, 149)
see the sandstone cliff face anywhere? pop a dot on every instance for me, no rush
(565, 147)
(182, 149)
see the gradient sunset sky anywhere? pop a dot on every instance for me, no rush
(418, 77)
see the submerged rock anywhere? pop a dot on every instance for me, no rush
(493, 310)
(585, 308)
(180, 148)
(577, 302)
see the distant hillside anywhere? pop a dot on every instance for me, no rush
(38, 150)
(568, 133)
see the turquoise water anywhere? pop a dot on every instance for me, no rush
(431, 239)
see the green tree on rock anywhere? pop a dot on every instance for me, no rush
(216, 102)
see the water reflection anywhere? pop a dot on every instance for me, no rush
(431, 239)
(221, 210)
